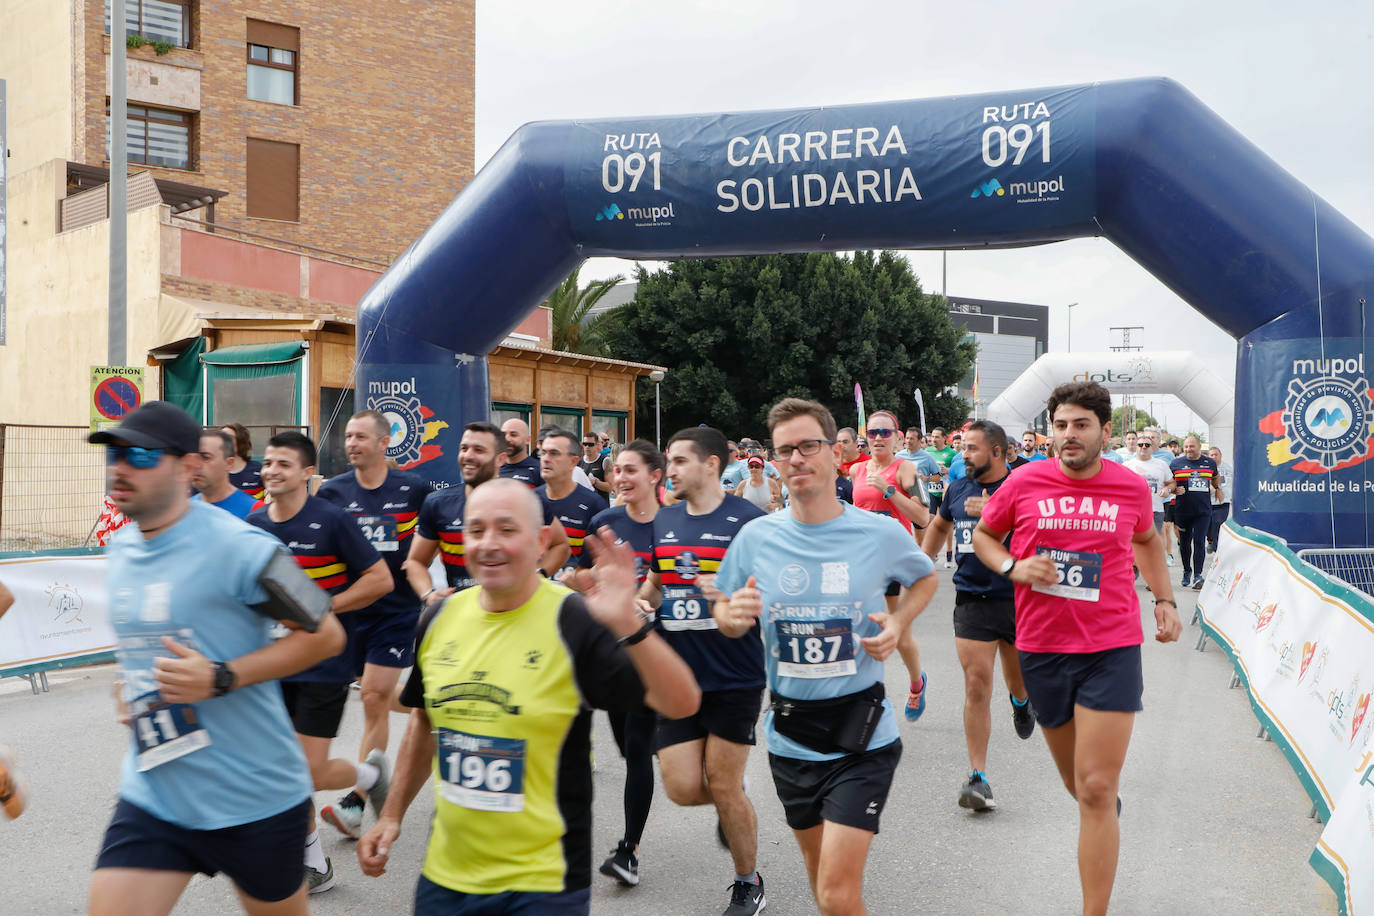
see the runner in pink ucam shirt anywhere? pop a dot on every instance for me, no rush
(1077, 523)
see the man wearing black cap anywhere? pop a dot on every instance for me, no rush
(214, 779)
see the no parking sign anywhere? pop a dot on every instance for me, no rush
(115, 391)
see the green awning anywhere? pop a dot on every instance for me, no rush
(265, 354)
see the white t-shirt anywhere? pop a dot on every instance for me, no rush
(1155, 472)
(1227, 475)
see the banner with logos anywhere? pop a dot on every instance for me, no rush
(60, 614)
(1303, 643)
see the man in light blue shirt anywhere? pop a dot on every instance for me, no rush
(813, 577)
(926, 465)
(210, 746)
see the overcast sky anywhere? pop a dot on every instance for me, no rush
(1296, 79)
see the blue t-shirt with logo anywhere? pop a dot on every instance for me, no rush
(441, 519)
(526, 470)
(639, 535)
(386, 517)
(971, 575)
(819, 584)
(238, 503)
(574, 512)
(686, 546)
(196, 582)
(331, 550)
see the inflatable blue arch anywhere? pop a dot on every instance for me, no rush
(1140, 162)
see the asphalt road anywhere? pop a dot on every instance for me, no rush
(1214, 821)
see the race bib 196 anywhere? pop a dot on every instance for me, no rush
(815, 648)
(164, 731)
(380, 531)
(1080, 574)
(481, 773)
(685, 608)
(963, 535)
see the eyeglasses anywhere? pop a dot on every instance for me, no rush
(807, 447)
(585, 444)
(133, 456)
(1144, 443)
(876, 434)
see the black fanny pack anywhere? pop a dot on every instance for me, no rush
(841, 725)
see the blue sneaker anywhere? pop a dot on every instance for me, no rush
(916, 701)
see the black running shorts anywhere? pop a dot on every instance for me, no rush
(316, 709)
(1109, 681)
(984, 619)
(728, 714)
(265, 859)
(849, 790)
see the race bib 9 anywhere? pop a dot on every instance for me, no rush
(1080, 574)
(481, 773)
(963, 535)
(815, 648)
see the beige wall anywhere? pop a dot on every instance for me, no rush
(59, 301)
(36, 63)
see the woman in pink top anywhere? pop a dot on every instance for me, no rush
(883, 483)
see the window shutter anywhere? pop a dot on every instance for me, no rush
(273, 35)
(274, 171)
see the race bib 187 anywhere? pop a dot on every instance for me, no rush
(1080, 573)
(482, 773)
(815, 648)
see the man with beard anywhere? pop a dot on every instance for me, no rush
(520, 464)
(1076, 524)
(984, 615)
(481, 454)
(214, 779)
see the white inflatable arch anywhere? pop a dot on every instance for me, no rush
(1175, 372)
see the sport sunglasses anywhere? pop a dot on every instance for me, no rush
(133, 456)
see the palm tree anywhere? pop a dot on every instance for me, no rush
(570, 303)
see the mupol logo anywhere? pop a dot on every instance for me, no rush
(988, 189)
(609, 213)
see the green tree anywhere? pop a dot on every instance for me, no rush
(570, 303)
(1139, 420)
(738, 334)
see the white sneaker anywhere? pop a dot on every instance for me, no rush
(1168, 559)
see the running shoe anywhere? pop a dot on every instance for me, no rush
(916, 701)
(1168, 559)
(346, 815)
(12, 794)
(1186, 581)
(1023, 717)
(376, 796)
(746, 899)
(623, 866)
(1197, 584)
(317, 882)
(949, 564)
(976, 794)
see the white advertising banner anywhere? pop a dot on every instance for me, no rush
(60, 611)
(1304, 645)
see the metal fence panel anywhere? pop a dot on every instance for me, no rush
(52, 486)
(1352, 565)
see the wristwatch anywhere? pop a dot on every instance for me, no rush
(225, 678)
(887, 494)
(639, 635)
(1007, 566)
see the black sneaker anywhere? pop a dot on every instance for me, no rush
(977, 794)
(1023, 717)
(746, 899)
(623, 866)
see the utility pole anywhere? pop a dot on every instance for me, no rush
(118, 188)
(1126, 347)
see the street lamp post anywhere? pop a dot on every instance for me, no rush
(1070, 334)
(657, 377)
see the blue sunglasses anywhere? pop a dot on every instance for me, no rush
(134, 457)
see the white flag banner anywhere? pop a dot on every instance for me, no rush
(921, 407)
(60, 612)
(1304, 645)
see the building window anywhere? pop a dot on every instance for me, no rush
(501, 412)
(272, 55)
(274, 179)
(614, 423)
(156, 20)
(569, 418)
(155, 136)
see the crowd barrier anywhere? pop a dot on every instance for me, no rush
(1303, 646)
(60, 616)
